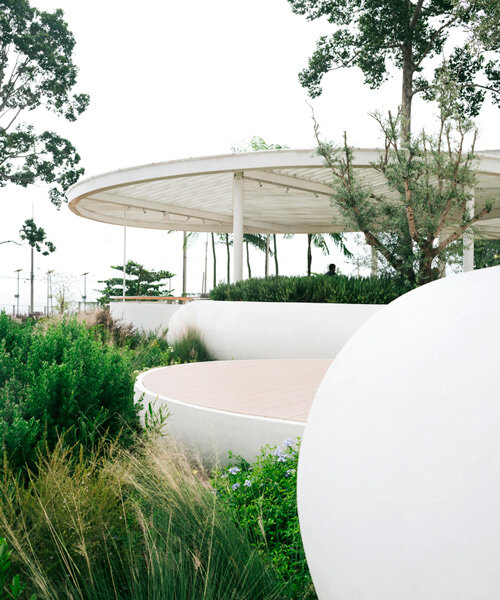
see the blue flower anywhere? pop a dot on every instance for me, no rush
(282, 458)
(247, 483)
(289, 472)
(233, 470)
(224, 475)
(288, 443)
(235, 486)
(278, 451)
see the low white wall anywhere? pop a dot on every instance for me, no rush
(146, 316)
(247, 330)
(212, 433)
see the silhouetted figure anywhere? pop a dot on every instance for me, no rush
(332, 269)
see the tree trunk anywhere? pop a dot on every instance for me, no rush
(266, 268)
(406, 93)
(275, 254)
(215, 259)
(309, 253)
(228, 258)
(248, 261)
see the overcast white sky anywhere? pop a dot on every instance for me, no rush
(169, 80)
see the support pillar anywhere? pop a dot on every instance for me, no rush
(124, 252)
(468, 239)
(238, 227)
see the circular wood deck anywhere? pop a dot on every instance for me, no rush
(276, 389)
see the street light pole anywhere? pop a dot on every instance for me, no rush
(84, 275)
(18, 271)
(49, 286)
(32, 283)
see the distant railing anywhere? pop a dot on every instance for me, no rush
(167, 299)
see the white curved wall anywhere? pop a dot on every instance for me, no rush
(399, 471)
(212, 433)
(246, 330)
(146, 316)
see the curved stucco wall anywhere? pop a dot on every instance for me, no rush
(399, 472)
(246, 330)
(146, 316)
(212, 433)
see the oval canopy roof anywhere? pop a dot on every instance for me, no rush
(285, 191)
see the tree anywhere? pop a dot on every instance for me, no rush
(36, 71)
(428, 205)
(37, 239)
(139, 281)
(257, 240)
(373, 34)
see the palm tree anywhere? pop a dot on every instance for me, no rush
(319, 241)
(257, 240)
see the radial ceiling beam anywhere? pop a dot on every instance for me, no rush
(289, 181)
(160, 207)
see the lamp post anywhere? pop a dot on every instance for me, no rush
(16, 296)
(49, 289)
(84, 297)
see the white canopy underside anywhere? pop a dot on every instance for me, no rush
(284, 191)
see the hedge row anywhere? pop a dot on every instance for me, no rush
(339, 288)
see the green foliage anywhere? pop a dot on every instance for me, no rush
(486, 253)
(423, 207)
(128, 527)
(340, 288)
(375, 34)
(139, 281)
(257, 144)
(9, 588)
(262, 500)
(36, 71)
(36, 237)
(60, 379)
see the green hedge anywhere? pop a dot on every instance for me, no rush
(338, 289)
(60, 378)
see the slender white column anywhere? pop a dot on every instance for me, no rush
(124, 251)
(238, 227)
(468, 239)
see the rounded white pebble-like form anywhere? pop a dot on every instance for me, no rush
(399, 472)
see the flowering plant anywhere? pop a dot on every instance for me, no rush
(262, 499)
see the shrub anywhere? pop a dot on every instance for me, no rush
(128, 527)
(339, 289)
(59, 378)
(191, 348)
(262, 500)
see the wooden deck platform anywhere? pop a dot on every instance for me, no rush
(277, 389)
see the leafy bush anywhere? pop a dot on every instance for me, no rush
(9, 588)
(262, 501)
(56, 378)
(338, 289)
(129, 527)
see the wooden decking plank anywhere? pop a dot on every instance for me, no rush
(279, 389)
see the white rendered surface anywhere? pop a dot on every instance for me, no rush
(399, 473)
(243, 330)
(146, 316)
(212, 433)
